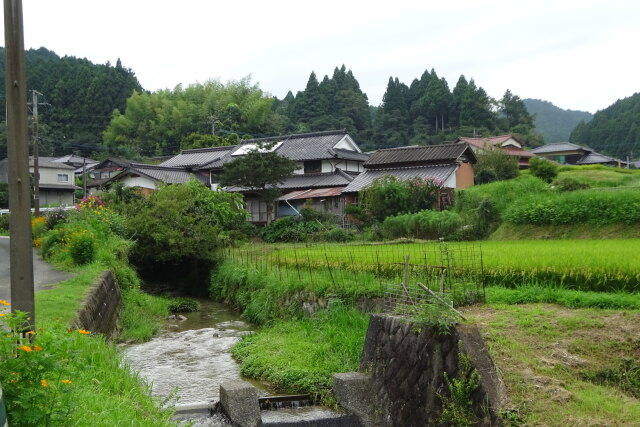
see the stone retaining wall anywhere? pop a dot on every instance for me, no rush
(403, 370)
(101, 307)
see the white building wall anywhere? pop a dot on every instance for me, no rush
(139, 181)
(345, 165)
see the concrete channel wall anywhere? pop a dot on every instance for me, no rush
(402, 374)
(101, 307)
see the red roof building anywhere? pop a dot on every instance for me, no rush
(507, 143)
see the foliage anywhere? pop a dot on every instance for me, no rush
(554, 124)
(46, 381)
(388, 196)
(181, 230)
(625, 375)
(301, 356)
(569, 183)
(290, 229)
(82, 97)
(160, 123)
(543, 169)
(183, 305)
(259, 172)
(534, 293)
(457, 404)
(55, 217)
(4, 222)
(437, 316)
(38, 227)
(423, 225)
(4, 195)
(495, 165)
(142, 315)
(82, 247)
(584, 206)
(614, 130)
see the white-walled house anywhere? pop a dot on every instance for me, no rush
(57, 181)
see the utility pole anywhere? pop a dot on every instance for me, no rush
(20, 251)
(36, 161)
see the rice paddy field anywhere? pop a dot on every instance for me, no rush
(587, 265)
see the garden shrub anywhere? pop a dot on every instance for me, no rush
(495, 165)
(82, 247)
(336, 234)
(290, 229)
(38, 227)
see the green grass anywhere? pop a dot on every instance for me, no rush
(301, 355)
(549, 358)
(602, 176)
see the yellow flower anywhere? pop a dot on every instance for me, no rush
(44, 383)
(2, 314)
(67, 381)
(25, 348)
(30, 333)
(37, 348)
(3, 302)
(83, 332)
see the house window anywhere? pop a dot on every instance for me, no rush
(63, 177)
(313, 166)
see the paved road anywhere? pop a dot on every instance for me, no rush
(44, 276)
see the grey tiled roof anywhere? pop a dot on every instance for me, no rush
(559, 147)
(199, 158)
(440, 172)
(310, 180)
(49, 164)
(168, 175)
(415, 155)
(595, 158)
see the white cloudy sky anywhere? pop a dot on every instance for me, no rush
(582, 55)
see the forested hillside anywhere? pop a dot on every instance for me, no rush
(614, 130)
(554, 123)
(78, 99)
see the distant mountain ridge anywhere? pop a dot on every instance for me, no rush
(614, 131)
(554, 123)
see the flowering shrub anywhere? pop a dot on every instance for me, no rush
(37, 381)
(90, 202)
(82, 247)
(38, 227)
(55, 217)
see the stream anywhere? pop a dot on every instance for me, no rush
(192, 356)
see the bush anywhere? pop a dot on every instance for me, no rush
(55, 217)
(584, 206)
(424, 225)
(495, 165)
(570, 184)
(290, 229)
(337, 234)
(543, 169)
(4, 222)
(38, 227)
(82, 247)
(183, 305)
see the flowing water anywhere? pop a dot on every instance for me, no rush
(191, 356)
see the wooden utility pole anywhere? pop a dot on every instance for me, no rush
(20, 252)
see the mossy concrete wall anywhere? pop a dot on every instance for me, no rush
(101, 307)
(405, 367)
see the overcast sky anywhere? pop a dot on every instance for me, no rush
(581, 55)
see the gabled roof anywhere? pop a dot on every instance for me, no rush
(437, 172)
(493, 141)
(596, 158)
(420, 155)
(123, 163)
(201, 158)
(72, 158)
(337, 178)
(298, 147)
(560, 147)
(50, 164)
(168, 175)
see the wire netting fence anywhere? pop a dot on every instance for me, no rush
(392, 271)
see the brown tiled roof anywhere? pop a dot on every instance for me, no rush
(419, 155)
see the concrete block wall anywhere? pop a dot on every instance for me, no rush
(101, 307)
